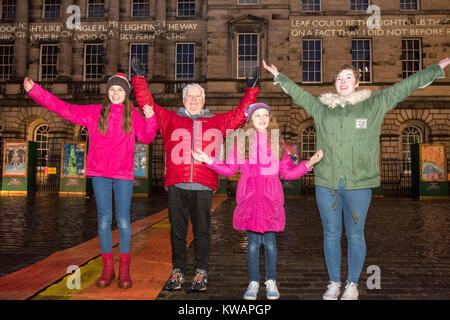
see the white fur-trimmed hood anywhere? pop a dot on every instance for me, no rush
(333, 99)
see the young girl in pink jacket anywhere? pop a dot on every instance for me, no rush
(112, 129)
(259, 197)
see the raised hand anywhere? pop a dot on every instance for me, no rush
(201, 157)
(445, 62)
(251, 82)
(28, 84)
(315, 158)
(272, 69)
(148, 111)
(138, 69)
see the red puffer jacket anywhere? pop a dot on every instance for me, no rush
(177, 128)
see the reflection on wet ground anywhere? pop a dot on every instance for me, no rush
(408, 240)
(33, 227)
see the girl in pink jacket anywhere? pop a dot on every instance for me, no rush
(112, 129)
(259, 197)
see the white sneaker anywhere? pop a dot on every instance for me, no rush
(351, 292)
(272, 290)
(252, 291)
(332, 293)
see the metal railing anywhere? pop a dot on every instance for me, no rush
(46, 182)
(396, 177)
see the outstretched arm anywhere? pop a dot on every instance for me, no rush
(444, 63)
(146, 127)
(403, 89)
(290, 171)
(235, 118)
(144, 96)
(77, 114)
(227, 169)
(299, 96)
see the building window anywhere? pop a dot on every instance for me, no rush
(140, 8)
(185, 61)
(248, 1)
(362, 58)
(311, 5)
(186, 8)
(141, 52)
(41, 137)
(49, 62)
(359, 4)
(52, 9)
(93, 61)
(6, 61)
(83, 135)
(308, 142)
(409, 4)
(411, 57)
(8, 10)
(312, 60)
(96, 8)
(247, 54)
(410, 135)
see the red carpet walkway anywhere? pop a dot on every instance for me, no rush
(150, 267)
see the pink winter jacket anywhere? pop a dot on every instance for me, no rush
(110, 155)
(259, 196)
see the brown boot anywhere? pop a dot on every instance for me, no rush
(108, 270)
(124, 271)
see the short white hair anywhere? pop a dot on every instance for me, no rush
(193, 86)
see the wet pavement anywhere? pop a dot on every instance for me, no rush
(408, 241)
(34, 227)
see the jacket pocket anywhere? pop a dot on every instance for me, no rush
(245, 190)
(273, 190)
(365, 163)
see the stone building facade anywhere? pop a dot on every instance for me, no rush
(72, 47)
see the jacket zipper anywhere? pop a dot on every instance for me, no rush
(332, 169)
(192, 149)
(165, 163)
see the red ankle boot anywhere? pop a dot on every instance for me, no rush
(108, 270)
(124, 271)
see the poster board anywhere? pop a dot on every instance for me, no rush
(19, 167)
(15, 159)
(73, 159)
(429, 170)
(433, 163)
(73, 167)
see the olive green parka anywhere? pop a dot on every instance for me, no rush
(348, 130)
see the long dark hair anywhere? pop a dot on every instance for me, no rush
(126, 116)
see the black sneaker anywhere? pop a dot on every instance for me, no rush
(200, 280)
(175, 281)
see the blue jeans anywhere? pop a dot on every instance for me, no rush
(123, 190)
(330, 206)
(255, 239)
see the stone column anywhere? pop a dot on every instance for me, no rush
(65, 49)
(160, 44)
(21, 40)
(112, 45)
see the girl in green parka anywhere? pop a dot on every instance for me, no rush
(348, 125)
